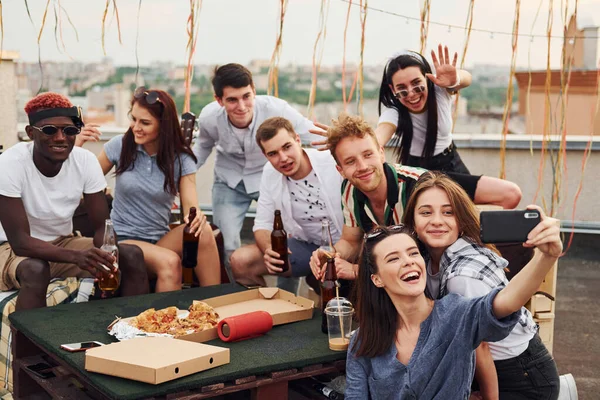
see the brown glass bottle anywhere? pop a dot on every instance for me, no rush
(279, 240)
(189, 257)
(328, 287)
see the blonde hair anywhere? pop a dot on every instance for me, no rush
(347, 126)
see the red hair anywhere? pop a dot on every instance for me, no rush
(47, 100)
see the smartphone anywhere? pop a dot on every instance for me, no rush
(83, 346)
(42, 370)
(507, 226)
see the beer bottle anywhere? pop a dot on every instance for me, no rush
(189, 257)
(326, 250)
(279, 240)
(107, 284)
(328, 289)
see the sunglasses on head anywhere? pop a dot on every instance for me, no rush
(400, 94)
(376, 232)
(151, 96)
(69, 130)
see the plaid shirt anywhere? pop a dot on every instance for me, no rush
(465, 258)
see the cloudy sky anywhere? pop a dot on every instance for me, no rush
(242, 30)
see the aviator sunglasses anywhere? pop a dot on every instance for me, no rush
(376, 232)
(69, 130)
(151, 96)
(400, 94)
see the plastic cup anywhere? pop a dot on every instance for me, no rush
(339, 313)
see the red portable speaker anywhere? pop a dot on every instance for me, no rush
(245, 326)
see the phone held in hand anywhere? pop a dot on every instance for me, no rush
(507, 226)
(83, 346)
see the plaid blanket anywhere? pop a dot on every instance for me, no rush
(68, 290)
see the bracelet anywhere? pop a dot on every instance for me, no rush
(457, 80)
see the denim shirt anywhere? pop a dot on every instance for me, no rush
(442, 364)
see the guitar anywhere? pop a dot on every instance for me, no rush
(188, 126)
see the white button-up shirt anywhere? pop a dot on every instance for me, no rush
(275, 195)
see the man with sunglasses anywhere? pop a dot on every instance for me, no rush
(40, 187)
(375, 192)
(230, 125)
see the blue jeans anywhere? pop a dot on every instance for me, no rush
(229, 210)
(299, 261)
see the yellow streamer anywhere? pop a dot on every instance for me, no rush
(361, 77)
(425, 11)
(509, 90)
(319, 47)
(192, 31)
(273, 87)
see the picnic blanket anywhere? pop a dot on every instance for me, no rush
(60, 291)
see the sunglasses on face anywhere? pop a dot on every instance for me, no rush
(151, 96)
(400, 94)
(376, 232)
(69, 130)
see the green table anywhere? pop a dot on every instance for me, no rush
(264, 364)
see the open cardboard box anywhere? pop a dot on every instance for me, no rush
(283, 306)
(154, 359)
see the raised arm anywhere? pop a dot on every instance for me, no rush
(446, 74)
(546, 237)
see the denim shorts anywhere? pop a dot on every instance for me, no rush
(300, 257)
(123, 238)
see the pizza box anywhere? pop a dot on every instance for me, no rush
(283, 306)
(154, 359)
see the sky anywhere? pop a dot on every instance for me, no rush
(243, 30)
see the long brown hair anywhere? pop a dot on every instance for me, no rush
(171, 143)
(465, 212)
(375, 312)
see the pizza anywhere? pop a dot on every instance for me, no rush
(201, 316)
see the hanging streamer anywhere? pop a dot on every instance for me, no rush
(547, 108)
(345, 100)
(274, 65)
(565, 81)
(361, 77)
(116, 13)
(137, 36)
(425, 11)
(192, 31)
(509, 90)
(586, 156)
(529, 78)
(468, 27)
(318, 55)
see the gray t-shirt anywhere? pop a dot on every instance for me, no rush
(443, 362)
(141, 206)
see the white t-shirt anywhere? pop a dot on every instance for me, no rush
(509, 347)
(49, 202)
(419, 121)
(308, 206)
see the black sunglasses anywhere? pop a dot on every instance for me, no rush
(376, 232)
(69, 130)
(400, 94)
(151, 96)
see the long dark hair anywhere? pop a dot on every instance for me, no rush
(171, 143)
(402, 140)
(376, 314)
